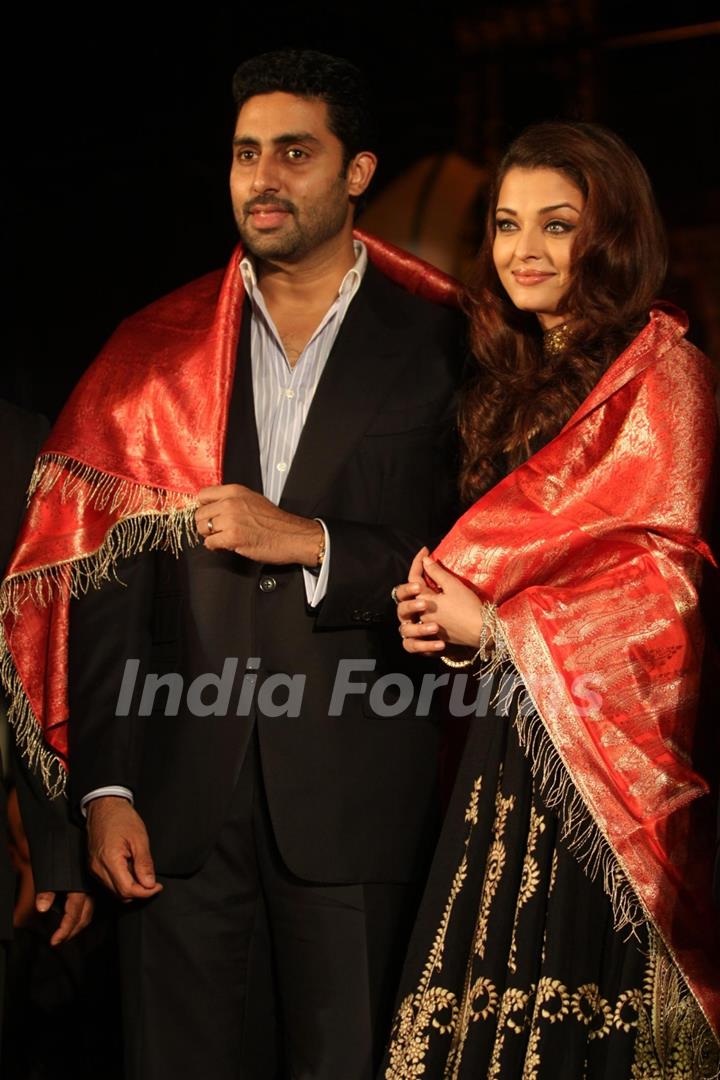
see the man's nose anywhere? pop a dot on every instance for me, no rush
(266, 176)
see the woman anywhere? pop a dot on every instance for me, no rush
(566, 929)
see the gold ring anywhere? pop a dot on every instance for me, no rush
(209, 525)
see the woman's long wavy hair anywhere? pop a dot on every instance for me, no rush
(618, 264)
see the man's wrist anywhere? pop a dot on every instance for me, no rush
(109, 791)
(314, 549)
(95, 805)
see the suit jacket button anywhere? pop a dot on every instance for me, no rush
(356, 616)
(267, 583)
(367, 616)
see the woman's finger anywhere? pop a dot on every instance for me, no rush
(407, 591)
(423, 645)
(418, 629)
(415, 573)
(438, 574)
(410, 609)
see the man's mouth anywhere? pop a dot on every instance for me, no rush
(268, 215)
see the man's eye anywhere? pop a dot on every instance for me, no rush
(296, 154)
(245, 155)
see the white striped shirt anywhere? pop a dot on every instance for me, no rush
(283, 393)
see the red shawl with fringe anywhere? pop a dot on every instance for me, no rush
(143, 431)
(590, 555)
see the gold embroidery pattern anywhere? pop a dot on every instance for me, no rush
(529, 880)
(553, 872)
(592, 1010)
(493, 868)
(671, 1038)
(513, 1017)
(410, 1036)
(669, 1045)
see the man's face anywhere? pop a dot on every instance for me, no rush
(289, 190)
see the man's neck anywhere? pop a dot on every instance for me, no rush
(312, 282)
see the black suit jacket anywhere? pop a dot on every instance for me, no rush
(352, 797)
(56, 844)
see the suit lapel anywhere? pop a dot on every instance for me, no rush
(241, 460)
(364, 363)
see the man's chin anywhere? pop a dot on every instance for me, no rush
(271, 245)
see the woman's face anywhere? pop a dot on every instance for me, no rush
(537, 213)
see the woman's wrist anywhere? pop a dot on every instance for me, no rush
(481, 645)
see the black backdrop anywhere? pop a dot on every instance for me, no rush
(118, 120)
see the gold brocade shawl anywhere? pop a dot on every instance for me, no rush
(142, 432)
(591, 553)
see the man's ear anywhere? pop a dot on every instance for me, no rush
(360, 172)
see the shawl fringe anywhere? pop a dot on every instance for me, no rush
(577, 828)
(675, 1007)
(28, 734)
(153, 521)
(150, 519)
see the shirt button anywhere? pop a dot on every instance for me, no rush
(281, 466)
(290, 393)
(267, 583)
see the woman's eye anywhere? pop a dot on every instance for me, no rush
(559, 227)
(504, 225)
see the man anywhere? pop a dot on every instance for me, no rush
(309, 399)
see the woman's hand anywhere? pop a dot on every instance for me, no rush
(429, 621)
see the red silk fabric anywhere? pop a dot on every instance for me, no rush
(150, 413)
(592, 553)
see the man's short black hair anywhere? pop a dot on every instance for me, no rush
(317, 77)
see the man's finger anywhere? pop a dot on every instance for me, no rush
(87, 912)
(125, 885)
(71, 923)
(218, 492)
(142, 866)
(44, 901)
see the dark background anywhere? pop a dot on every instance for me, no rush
(118, 122)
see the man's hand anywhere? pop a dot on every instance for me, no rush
(119, 849)
(77, 913)
(234, 518)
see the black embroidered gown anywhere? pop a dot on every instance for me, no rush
(515, 969)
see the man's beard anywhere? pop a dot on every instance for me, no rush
(320, 222)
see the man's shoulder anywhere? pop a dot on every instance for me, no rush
(191, 306)
(410, 307)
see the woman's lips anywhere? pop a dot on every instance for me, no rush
(531, 277)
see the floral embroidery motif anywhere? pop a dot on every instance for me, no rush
(671, 1041)
(530, 878)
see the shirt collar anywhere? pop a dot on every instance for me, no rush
(349, 284)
